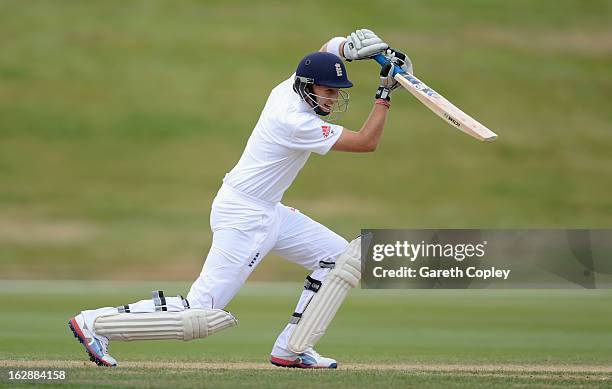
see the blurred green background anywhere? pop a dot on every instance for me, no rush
(119, 119)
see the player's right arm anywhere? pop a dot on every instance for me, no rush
(368, 137)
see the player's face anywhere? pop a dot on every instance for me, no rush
(326, 96)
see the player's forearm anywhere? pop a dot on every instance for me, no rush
(372, 129)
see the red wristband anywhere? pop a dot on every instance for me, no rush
(383, 102)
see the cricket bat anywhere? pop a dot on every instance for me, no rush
(439, 105)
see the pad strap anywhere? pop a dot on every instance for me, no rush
(312, 284)
(295, 318)
(159, 300)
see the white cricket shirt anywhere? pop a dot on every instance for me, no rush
(283, 138)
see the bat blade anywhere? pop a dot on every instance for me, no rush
(444, 108)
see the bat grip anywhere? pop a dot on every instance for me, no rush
(382, 61)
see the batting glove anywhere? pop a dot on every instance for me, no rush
(400, 59)
(397, 59)
(363, 44)
(387, 82)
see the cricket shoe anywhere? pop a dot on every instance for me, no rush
(310, 359)
(95, 345)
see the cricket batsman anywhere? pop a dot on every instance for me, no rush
(249, 221)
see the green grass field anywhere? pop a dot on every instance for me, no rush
(119, 119)
(381, 338)
(118, 122)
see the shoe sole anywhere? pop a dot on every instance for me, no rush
(292, 365)
(78, 334)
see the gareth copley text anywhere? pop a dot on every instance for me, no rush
(427, 272)
(407, 251)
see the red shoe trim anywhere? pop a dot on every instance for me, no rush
(285, 362)
(76, 327)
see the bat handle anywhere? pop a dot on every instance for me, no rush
(382, 61)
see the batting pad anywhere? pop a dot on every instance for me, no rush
(185, 325)
(324, 305)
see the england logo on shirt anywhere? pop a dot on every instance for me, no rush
(325, 130)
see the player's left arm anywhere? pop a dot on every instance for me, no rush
(360, 44)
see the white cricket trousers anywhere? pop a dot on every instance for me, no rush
(245, 229)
